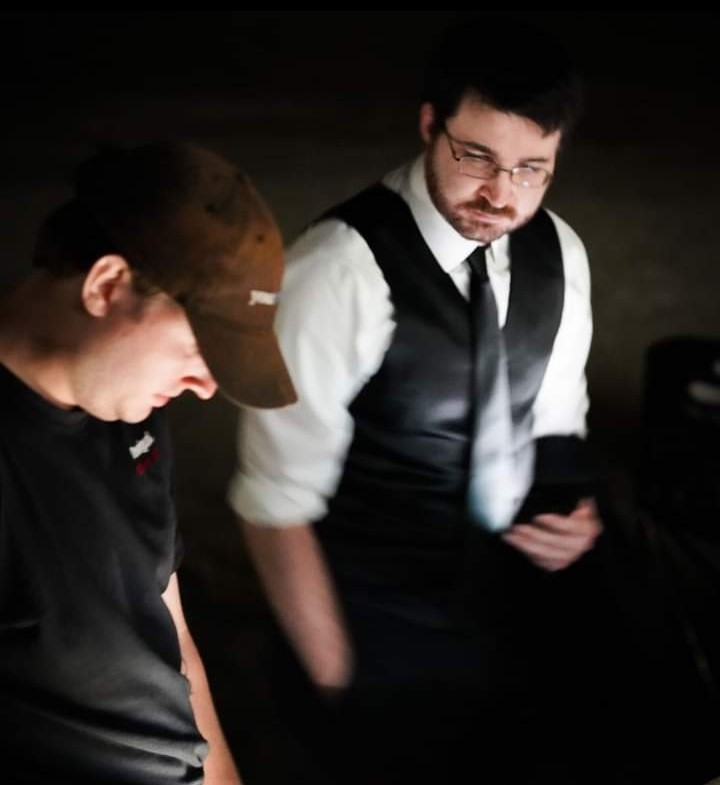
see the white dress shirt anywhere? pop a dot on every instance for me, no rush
(335, 323)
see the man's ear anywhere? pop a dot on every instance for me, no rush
(427, 122)
(106, 282)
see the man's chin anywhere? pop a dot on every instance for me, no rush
(136, 416)
(483, 232)
(488, 230)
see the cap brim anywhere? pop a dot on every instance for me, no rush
(247, 366)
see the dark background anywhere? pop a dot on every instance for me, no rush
(316, 105)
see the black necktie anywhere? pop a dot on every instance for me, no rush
(491, 487)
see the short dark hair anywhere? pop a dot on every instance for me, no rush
(70, 241)
(524, 71)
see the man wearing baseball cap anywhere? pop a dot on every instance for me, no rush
(160, 275)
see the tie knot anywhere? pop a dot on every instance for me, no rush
(476, 260)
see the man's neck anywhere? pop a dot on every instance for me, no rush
(30, 347)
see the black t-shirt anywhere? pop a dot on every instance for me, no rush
(90, 686)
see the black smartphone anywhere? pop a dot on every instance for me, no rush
(560, 499)
(564, 474)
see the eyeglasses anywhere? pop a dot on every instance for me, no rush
(482, 167)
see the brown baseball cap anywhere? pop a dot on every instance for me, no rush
(191, 223)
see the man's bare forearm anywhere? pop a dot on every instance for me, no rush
(300, 590)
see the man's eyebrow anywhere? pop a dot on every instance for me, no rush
(478, 148)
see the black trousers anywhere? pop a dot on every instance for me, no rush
(513, 700)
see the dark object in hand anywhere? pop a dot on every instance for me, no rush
(560, 499)
(564, 474)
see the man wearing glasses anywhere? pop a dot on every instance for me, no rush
(407, 513)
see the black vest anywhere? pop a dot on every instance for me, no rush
(397, 521)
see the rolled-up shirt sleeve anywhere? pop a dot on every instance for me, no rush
(334, 324)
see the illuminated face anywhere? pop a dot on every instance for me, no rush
(487, 171)
(138, 357)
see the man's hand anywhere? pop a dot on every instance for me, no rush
(554, 542)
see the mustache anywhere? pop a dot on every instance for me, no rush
(485, 207)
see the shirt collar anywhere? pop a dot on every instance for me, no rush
(448, 246)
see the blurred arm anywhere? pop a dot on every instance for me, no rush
(219, 767)
(333, 323)
(301, 592)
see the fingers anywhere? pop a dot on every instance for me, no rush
(553, 542)
(586, 508)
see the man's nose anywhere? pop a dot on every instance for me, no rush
(498, 190)
(201, 382)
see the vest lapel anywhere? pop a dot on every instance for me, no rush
(535, 308)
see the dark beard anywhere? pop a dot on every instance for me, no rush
(464, 225)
